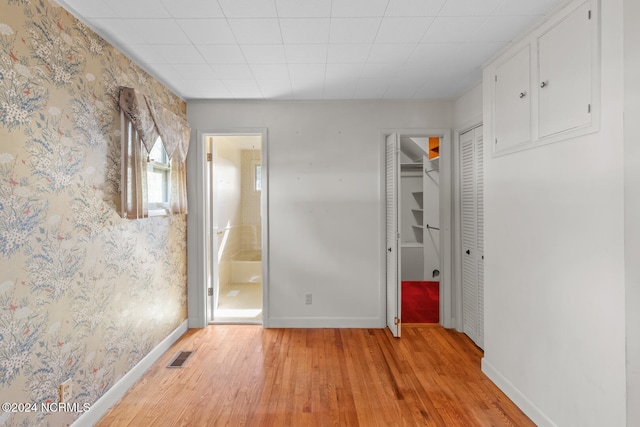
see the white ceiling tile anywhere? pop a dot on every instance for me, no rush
(195, 71)
(414, 7)
(90, 8)
(270, 71)
(193, 8)
(203, 89)
(222, 53)
(305, 30)
(167, 72)
(264, 54)
(148, 54)
(354, 30)
(396, 53)
(429, 53)
(308, 91)
(380, 71)
(159, 31)
(306, 53)
(121, 32)
(473, 55)
(401, 89)
(470, 7)
(304, 9)
(340, 90)
(502, 28)
(403, 30)
(207, 31)
(526, 7)
(306, 73)
(232, 71)
(450, 30)
(343, 73)
(275, 89)
(139, 9)
(358, 8)
(371, 88)
(181, 54)
(248, 8)
(243, 88)
(348, 53)
(256, 31)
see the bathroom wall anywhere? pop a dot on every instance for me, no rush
(251, 217)
(227, 211)
(84, 294)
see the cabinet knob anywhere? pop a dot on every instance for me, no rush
(468, 252)
(523, 94)
(389, 249)
(544, 84)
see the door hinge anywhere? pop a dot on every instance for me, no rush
(588, 108)
(397, 235)
(589, 14)
(210, 292)
(209, 157)
(396, 321)
(496, 77)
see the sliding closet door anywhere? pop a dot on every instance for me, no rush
(394, 289)
(472, 223)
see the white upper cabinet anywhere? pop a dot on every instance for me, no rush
(546, 86)
(513, 94)
(565, 74)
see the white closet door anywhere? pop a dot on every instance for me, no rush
(472, 212)
(394, 289)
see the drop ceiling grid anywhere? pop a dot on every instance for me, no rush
(320, 49)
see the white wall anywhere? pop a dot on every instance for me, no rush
(325, 187)
(632, 204)
(467, 109)
(554, 264)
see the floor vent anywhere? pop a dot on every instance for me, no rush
(180, 359)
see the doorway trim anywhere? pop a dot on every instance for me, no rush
(446, 241)
(197, 299)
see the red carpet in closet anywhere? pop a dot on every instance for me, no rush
(420, 302)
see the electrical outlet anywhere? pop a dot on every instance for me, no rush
(308, 299)
(64, 391)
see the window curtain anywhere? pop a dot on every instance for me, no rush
(148, 121)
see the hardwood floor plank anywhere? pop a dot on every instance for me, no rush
(244, 375)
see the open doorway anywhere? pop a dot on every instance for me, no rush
(418, 224)
(234, 216)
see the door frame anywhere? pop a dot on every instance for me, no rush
(197, 298)
(446, 215)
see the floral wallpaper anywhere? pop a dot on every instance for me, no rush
(84, 294)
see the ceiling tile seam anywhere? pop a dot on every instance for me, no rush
(375, 37)
(286, 59)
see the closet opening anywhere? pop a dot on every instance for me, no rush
(418, 226)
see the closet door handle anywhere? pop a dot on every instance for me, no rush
(389, 249)
(468, 252)
(544, 84)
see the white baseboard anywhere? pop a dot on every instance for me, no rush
(119, 389)
(325, 322)
(527, 406)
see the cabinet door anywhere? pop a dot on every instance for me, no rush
(513, 101)
(565, 74)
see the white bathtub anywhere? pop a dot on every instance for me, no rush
(246, 266)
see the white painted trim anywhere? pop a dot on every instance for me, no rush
(196, 245)
(446, 266)
(119, 389)
(527, 406)
(325, 322)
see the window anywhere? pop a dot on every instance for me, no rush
(257, 173)
(158, 177)
(154, 181)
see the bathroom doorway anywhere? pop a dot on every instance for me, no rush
(236, 192)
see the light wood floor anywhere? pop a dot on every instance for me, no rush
(244, 375)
